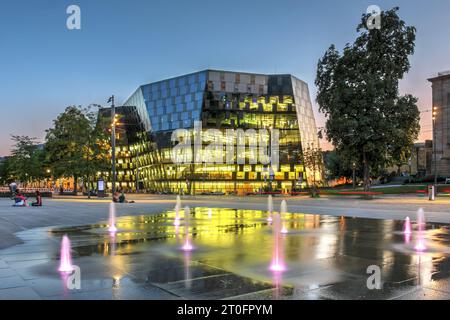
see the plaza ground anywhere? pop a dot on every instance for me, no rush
(154, 270)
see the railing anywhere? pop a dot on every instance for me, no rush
(27, 190)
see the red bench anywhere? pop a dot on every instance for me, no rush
(294, 193)
(359, 193)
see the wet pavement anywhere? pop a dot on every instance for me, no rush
(324, 257)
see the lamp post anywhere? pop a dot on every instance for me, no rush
(409, 164)
(113, 144)
(354, 175)
(435, 149)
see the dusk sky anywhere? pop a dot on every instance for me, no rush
(44, 67)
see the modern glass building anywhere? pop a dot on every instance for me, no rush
(219, 100)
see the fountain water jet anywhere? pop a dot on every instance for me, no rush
(176, 222)
(277, 264)
(177, 211)
(283, 210)
(187, 243)
(407, 227)
(270, 207)
(112, 218)
(178, 203)
(210, 213)
(65, 264)
(420, 242)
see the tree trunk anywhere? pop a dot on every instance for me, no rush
(88, 185)
(366, 173)
(75, 184)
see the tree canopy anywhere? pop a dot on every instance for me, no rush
(77, 146)
(27, 160)
(368, 122)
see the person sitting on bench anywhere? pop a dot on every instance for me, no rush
(38, 202)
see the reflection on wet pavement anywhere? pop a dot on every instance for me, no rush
(323, 257)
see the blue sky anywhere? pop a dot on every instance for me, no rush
(45, 67)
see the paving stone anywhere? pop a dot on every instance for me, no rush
(11, 282)
(22, 293)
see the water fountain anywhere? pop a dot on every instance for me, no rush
(420, 241)
(209, 213)
(112, 218)
(270, 207)
(407, 226)
(187, 243)
(277, 264)
(178, 203)
(177, 211)
(283, 210)
(176, 222)
(65, 264)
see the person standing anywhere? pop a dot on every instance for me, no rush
(13, 187)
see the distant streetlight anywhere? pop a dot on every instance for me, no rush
(409, 164)
(113, 143)
(435, 149)
(354, 175)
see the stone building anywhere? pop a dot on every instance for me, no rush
(441, 133)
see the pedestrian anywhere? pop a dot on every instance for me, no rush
(38, 202)
(13, 188)
(19, 200)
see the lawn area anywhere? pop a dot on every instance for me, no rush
(390, 190)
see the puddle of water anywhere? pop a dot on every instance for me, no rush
(319, 253)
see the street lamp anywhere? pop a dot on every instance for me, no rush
(435, 149)
(354, 175)
(409, 164)
(113, 143)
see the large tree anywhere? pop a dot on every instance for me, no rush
(5, 172)
(76, 146)
(368, 122)
(336, 167)
(27, 160)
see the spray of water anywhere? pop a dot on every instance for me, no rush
(420, 241)
(112, 218)
(277, 264)
(407, 226)
(177, 211)
(187, 242)
(65, 264)
(270, 208)
(283, 210)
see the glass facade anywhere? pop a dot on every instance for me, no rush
(219, 100)
(174, 103)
